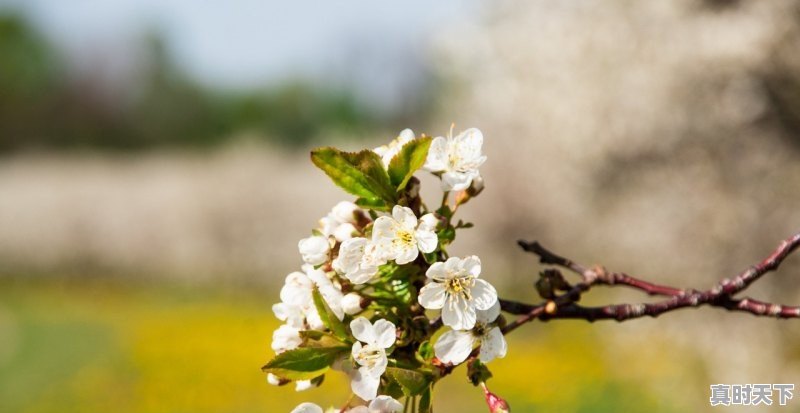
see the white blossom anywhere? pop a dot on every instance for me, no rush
(314, 249)
(307, 408)
(286, 338)
(340, 221)
(457, 159)
(387, 152)
(402, 236)
(297, 293)
(381, 404)
(359, 259)
(351, 303)
(303, 385)
(454, 287)
(370, 354)
(455, 346)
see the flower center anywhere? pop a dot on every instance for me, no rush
(479, 330)
(405, 237)
(460, 286)
(369, 355)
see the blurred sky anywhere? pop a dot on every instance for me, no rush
(376, 47)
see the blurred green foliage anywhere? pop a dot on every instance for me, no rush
(44, 105)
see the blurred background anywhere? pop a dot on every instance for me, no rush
(154, 179)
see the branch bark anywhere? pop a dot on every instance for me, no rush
(565, 306)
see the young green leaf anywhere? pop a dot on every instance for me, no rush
(412, 382)
(410, 158)
(327, 316)
(360, 174)
(303, 363)
(478, 372)
(425, 404)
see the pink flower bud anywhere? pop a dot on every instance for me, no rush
(495, 402)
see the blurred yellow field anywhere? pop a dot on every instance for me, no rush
(100, 347)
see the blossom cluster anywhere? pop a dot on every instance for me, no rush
(377, 284)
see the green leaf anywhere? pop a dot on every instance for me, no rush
(410, 158)
(327, 315)
(373, 204)
(478, 372)
(303, 363)
(425, 352)
(361, 174)
(412, 382)
(425, 404)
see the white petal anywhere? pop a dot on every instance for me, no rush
(458, 314)
(344, 212)
(351, 252)
(385, 333)
(488, 316)
(454, 346)
(303, 385)
(452, 266)
(307, 408)
(426, 240)
(404, 216)
(406, 254)
(273, 379)
(468, 145)
(432, 296)
(456, 181)
(428, 222)
(351, 303)
(483, 294)
(364, 385)
(493, 345)
(314, 249)
(297, 289)
(344, 232)
(357, 409)
(361, 274)
(385, 404)
(363, 330)
(437, 155)
(357, 346)
(285, 338)
(472, 265)
(437, 271)
(378, 368)
(383, 227)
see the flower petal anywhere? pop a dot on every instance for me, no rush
(472, 265)
(428, 222)
(437, 155)
(456, 181)
(307, 408)
(383, 227)
(426, 240)
(432, 296)
(405, 217)
(437, 271)
(385, 404)
(364, 385)
(452, 266)
(454, 346)
(468, 147)
(488, 316)
(483, 294)
(363, 330)
(406, 254)
(458, 314)
(493, 345)
(385, 333)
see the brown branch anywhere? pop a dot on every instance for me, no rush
(565, 306)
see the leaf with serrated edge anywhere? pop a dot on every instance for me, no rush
(412, 382)
(408, 160)
(303, 363)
